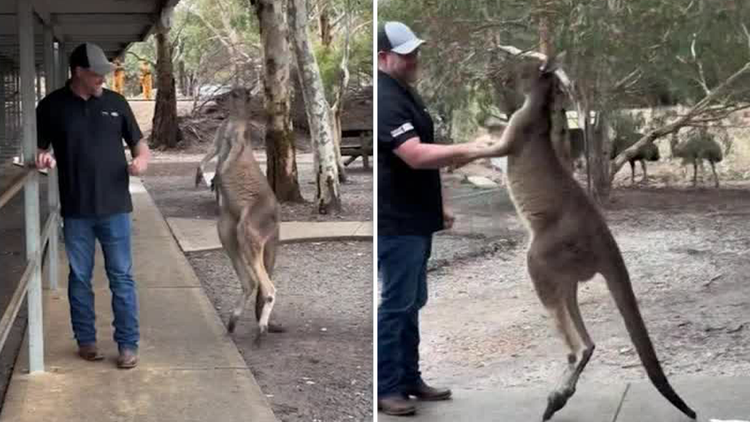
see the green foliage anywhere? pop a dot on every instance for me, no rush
(360, 59)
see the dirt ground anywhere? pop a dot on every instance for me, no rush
(321, 368)
(687, 253)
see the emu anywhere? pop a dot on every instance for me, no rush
(649, 152)
(699, 146)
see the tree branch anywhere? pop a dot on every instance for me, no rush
(143, 59)
(701, 74)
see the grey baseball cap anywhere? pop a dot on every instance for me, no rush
(398, 38)
(91, 56)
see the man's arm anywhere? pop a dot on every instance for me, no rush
(432, 156)
(44, 157)
(141, 156)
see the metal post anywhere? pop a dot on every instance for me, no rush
(38, 84)
(52, 190)
(63, 64)
(2, 102)
(31, 190)
(49, 60)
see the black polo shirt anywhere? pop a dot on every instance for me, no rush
(87, 138)
(409, 200)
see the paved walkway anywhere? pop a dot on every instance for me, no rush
(714, 399)
(190, 369)
(195, 235)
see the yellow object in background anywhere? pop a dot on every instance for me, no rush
(146, 80)
(119, 79)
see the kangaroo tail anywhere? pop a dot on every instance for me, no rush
(618, 283)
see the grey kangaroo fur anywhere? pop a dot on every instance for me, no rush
(248, 218)
(220, 149)
(570, 241)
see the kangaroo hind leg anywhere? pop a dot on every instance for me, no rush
(564, 310)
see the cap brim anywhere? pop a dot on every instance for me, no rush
(408, 47)
(103, 69)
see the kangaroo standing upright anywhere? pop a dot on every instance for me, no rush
(248, 218)
(569, 239)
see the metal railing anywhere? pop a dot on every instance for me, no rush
(34, 263)
(24, 78)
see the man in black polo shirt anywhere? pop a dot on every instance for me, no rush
(86, 124)
(410, 210)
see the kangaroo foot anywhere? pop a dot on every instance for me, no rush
(556, 401)
(232, 323)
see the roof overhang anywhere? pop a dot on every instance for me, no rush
(112, 24)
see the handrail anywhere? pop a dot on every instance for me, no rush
(6, 322)
(16, 186)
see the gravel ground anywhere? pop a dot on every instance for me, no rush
(321, 368)
(178, 196)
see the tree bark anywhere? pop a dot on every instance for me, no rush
(325, 27)
(326, 170)
(338, 102)
(280, 150)
(165, 131)
(600, 144)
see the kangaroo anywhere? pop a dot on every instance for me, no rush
(570, 241)
(249, 218)
(220, 149)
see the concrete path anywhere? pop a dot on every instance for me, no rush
(714, 399)
(195, 235)
(190, 369)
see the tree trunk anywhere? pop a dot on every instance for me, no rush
(598, 137)
(326, 169)
(325, 27)
(165, 132)
(338, 102)
(335, 117)
(183, 79)
(280, 151)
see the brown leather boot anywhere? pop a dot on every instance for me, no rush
(396, 405)
(128, 359)
(424, 392)
(89, 352)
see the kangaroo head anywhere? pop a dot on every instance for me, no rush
(538, 79)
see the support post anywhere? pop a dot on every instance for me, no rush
(53, 199)
(31, 190)
(3, 132)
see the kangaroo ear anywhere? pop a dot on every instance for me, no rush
(552, 63)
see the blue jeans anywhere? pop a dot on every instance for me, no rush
(113, 233)
(402, 263)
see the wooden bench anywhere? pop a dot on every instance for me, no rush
(356, 143)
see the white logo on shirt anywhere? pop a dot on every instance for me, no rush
(402, 129)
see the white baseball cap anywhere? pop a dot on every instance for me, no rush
(398, 38)
(91, 56)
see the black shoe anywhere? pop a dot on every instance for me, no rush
(396, 405)
(424, 392)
